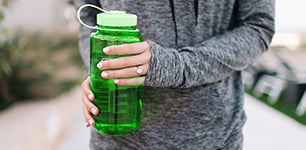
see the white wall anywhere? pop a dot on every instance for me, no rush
(290, 16)
(36, 15)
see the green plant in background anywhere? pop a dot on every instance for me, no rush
(35, 65)
(70, 2)
(46, 67)
(303, 46)
(6, 49)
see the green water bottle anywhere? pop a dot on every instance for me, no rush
(119, 106)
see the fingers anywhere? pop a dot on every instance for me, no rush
(125, 49)
(89, 105)
(86, 89)
(131, 81)
(126, 72)
(88, 108)
(89, 121)
(124, 62)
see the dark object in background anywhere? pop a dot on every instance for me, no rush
(287, 66)
(293, 93)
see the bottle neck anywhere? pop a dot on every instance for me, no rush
(119, 28)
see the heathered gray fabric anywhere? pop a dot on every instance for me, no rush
(193, 94)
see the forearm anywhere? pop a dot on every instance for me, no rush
(218, 57)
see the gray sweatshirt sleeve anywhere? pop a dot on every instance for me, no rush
(218, 57)
(88, 15)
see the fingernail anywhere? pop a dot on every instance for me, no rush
(90, 122)
(100, 65)
(86, 124)
(105, 59)
(90, 96)
(106, 49)
(139, 70)
(104, 74)
(116, 81)
(94, 111)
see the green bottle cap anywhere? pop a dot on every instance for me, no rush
(116, 18)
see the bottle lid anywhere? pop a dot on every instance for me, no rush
(116, 18)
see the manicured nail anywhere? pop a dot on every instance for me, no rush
(90, 96)
(94, 111)
(139, 70)
(105, 59)
(116, 81)
(106, 50)
(104, 74)
(100, 65)
(90, 122)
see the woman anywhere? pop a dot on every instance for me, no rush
(190, 66)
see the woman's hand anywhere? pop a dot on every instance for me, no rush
(121, 69)
(88, 107)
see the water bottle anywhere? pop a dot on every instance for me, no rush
(119, 106)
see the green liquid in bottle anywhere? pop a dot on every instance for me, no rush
(119, 106)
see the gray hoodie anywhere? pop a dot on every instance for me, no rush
(193, 94)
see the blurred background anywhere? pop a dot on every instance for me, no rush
(41, 71)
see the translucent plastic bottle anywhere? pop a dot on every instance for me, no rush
(119, 106)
